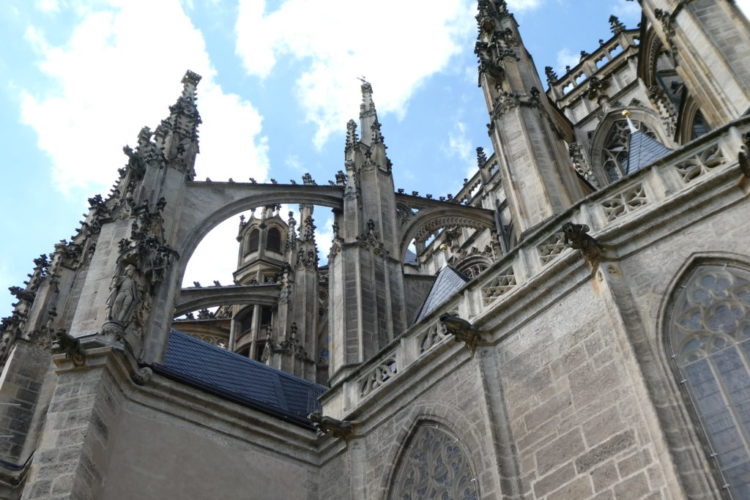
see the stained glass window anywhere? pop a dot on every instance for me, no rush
(434, 466)
(709, 335)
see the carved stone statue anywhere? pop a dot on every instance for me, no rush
(462, 330)
(124, 296)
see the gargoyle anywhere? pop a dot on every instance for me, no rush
(328, 425)
(576, 238)
(462, 330)
(71, 346)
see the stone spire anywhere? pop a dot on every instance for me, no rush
(177, 135)
(368, 117)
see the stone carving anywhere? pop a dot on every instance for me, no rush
(433, 466)
(701, 164)
(462, 330)
(615, 25)
(550, 248)
(125, 295)
(325, 426)
(581, 165)
(576, 236)
(664, 105)
(551, 75)
(431, 337)
(502, 283)
(379, 375)
(596, 87)
(625, 202)
(141, 267)
(70, 346)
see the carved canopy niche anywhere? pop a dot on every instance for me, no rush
(433, 465)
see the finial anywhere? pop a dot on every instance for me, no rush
(189, 83)
(481, 158)
(351, 133)
(615, 25)
(551, 75)
(627, 114)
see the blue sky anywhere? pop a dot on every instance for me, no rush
(78, 79)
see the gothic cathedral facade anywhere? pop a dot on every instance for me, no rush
(573, 323)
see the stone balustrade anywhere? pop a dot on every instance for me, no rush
(619, 203)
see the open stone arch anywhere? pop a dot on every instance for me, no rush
(204, 205)
(207, 204)
(429, 220)
(192, 299)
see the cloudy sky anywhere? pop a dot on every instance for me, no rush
(79, 78)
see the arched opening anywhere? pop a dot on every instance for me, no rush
(252, 241)
(273, 240)
(433, 465)
(708, 338)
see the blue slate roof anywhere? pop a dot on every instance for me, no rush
(644, 150)
(448, 282)
(239, 379)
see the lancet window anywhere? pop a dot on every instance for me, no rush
(709, 339)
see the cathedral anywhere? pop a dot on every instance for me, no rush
(573, 323)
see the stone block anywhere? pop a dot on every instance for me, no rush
(554, 479)
(604, 476)
(601, 426)
(634, 463)
(634, 487)
(559, 451)
(605, 450)
(578, 488)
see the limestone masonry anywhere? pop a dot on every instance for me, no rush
(573, 323)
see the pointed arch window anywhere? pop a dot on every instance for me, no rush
(252, 241)
(274, 240)
(709, 340)
(433, 466)
(615, 153)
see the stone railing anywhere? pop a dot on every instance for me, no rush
(619, 203)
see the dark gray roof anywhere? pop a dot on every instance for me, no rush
(448, 282)
(644, 150)
(239, 379)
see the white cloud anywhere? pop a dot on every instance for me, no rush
(627, 11)
(395, 44)
(110, 79)
(460, 146)
(744, 6)
(120, 70)
(566, 57)
(519, 5)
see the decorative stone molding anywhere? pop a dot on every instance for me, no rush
(625, 202)
(378, 375)
(550, 248)
(700, 164)
(504, 282)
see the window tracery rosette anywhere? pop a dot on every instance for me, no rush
(615, 151)
(709, 334)
(434, 467)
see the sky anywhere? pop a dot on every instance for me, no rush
(80, 78)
